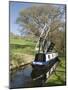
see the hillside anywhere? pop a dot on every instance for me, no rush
(21, 51)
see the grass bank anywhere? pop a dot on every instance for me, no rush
(58, 76)
(21, 51)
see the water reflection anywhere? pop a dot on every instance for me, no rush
(38, 77)
(29, 76)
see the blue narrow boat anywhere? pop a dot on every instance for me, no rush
(43, 60)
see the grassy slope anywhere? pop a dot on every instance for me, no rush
(21, 41)
(21, 51)
(22, 46)
(58, 76)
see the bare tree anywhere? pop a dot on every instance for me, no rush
(34, 18)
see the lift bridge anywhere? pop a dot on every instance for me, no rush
(44, 45)
(46, 58)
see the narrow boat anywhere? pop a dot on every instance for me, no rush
(43, 60)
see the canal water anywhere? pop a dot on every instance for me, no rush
(26, 77)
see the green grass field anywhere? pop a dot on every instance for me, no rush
(22, 46)
(22, 41)
(21, 51)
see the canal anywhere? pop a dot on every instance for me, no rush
(27, 76)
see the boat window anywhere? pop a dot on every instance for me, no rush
(52, 55)
(40, 57)
(48, 56)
